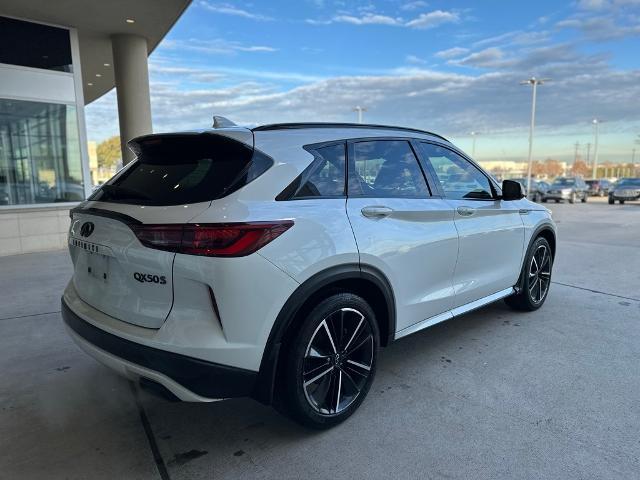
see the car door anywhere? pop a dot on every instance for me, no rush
(582, 188)
(490, 230)
(401, 228)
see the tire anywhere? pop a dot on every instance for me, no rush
(621, 202)
(544, 200)
(330, 362)
(535, 287)
(584, 198)
(557, 201)
(611, 201)
(572, 199)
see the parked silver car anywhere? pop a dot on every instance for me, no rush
(627, 189)
(567, 188)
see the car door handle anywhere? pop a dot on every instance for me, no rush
(376, 211)
(465, 211)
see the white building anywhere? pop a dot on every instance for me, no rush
(56, 57)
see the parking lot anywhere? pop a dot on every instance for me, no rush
(494, 394)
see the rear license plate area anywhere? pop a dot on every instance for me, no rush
(96, 262)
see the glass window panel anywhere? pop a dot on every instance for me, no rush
(386, 168)
(325, 176)
(34, 45)
(39, 153)
(459, 178)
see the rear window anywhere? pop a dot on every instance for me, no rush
(182, 169)
(564, 182)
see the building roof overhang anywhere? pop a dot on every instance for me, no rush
(96, 21)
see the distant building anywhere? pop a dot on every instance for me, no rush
(513, 169)
(505, 167)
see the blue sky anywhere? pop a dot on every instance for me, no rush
(450, 67)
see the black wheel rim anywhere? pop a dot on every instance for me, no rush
(338, 361)
(539, 274)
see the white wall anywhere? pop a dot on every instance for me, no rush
(33, 230)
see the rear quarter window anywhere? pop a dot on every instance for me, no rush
(324, 178)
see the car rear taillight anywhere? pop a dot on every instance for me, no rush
(211, 240)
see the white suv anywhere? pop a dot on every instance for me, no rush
(273, 262)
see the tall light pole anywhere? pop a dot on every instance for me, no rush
(359, 109)
(596, 122)
(534, 82)
(588, 152)
(473, 143)
(575, 156)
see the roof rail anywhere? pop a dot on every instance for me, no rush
(292, 126)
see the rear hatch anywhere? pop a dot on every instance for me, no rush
(123, 239)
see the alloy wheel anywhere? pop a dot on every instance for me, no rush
(338, 361)
(539, 274)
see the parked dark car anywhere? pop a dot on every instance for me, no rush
(536, 192)
(567, 188)
(598, 188)
(625, 190)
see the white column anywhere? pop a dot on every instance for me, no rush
(132, 87)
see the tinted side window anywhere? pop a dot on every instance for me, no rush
(385, 168)
(459, 178)
(323, 178)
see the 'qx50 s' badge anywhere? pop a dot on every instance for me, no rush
(86, 229)
(147, 277)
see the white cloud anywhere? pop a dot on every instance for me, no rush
(228, 9)
(599, 20)
(449, 103)
(433, 19)
(601, 27)
(451, 52)
(214, 46)
(516, 37)
(415, 5)
(367, 19)
(599, 5)
(415, 60)
(592, 4)
(489, 57)
(422, 21)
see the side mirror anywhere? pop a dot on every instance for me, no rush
(512, 190)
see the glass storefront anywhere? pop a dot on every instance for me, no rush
(40, 159)
(40, 151)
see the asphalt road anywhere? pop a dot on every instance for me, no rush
(495, 394)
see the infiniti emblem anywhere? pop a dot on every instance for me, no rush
(86, 229)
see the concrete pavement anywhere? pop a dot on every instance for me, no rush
(494, 394)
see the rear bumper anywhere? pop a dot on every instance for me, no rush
(188, 378)
(557, 196)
